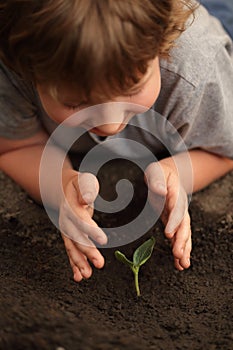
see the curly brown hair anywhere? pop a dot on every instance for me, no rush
(100, 45)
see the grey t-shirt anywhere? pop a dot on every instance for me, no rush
(196, 98)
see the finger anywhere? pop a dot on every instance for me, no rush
(87, 187)
(93, 255)
(155, 180)
(178, 265)
(79, 264)
(157, 202)
(181, 237)
(79, 254)
(76, 221)
(177, 207)
(76, 273)
(77, 276)
(185, 260)
(77, 224)
(90, 228)
(78, 261)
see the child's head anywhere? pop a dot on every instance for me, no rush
(100, 49)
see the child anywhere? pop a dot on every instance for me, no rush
(60, 56)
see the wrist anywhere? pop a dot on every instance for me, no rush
(179, 166)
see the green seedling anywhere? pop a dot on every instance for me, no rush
(140, 256)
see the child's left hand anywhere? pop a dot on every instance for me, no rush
(166, 189)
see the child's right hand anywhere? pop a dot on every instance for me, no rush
(76, 223)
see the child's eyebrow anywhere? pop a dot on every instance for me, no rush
(73, 103)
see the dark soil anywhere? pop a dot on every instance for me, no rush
(43, 308)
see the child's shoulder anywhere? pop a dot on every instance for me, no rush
(18, 112)
(204, 44)
(13, 85)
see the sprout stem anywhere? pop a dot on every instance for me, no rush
(136, 270)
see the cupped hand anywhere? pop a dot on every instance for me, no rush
(79, 230)
(165, 189)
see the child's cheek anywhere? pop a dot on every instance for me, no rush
(60, 115)
(56, 111)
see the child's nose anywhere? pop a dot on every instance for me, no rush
(111, 113)
(109, 117)
(108, 129)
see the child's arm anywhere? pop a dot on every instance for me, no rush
(206, 168)
(20, 160)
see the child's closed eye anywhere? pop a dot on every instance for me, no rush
(75, 107)
(72, 107)
(134, 93)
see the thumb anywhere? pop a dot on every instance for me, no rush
(155, 179)
(87, 187)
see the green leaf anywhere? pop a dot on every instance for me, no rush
(121, 257)
(143, 252)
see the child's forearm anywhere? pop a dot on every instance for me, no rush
(23, 166)
(206, 168)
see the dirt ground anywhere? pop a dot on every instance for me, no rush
(41, 307)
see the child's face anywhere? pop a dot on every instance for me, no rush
(144, 94)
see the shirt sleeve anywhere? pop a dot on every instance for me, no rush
(211, 127)
(202, 114)
(18, 112)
